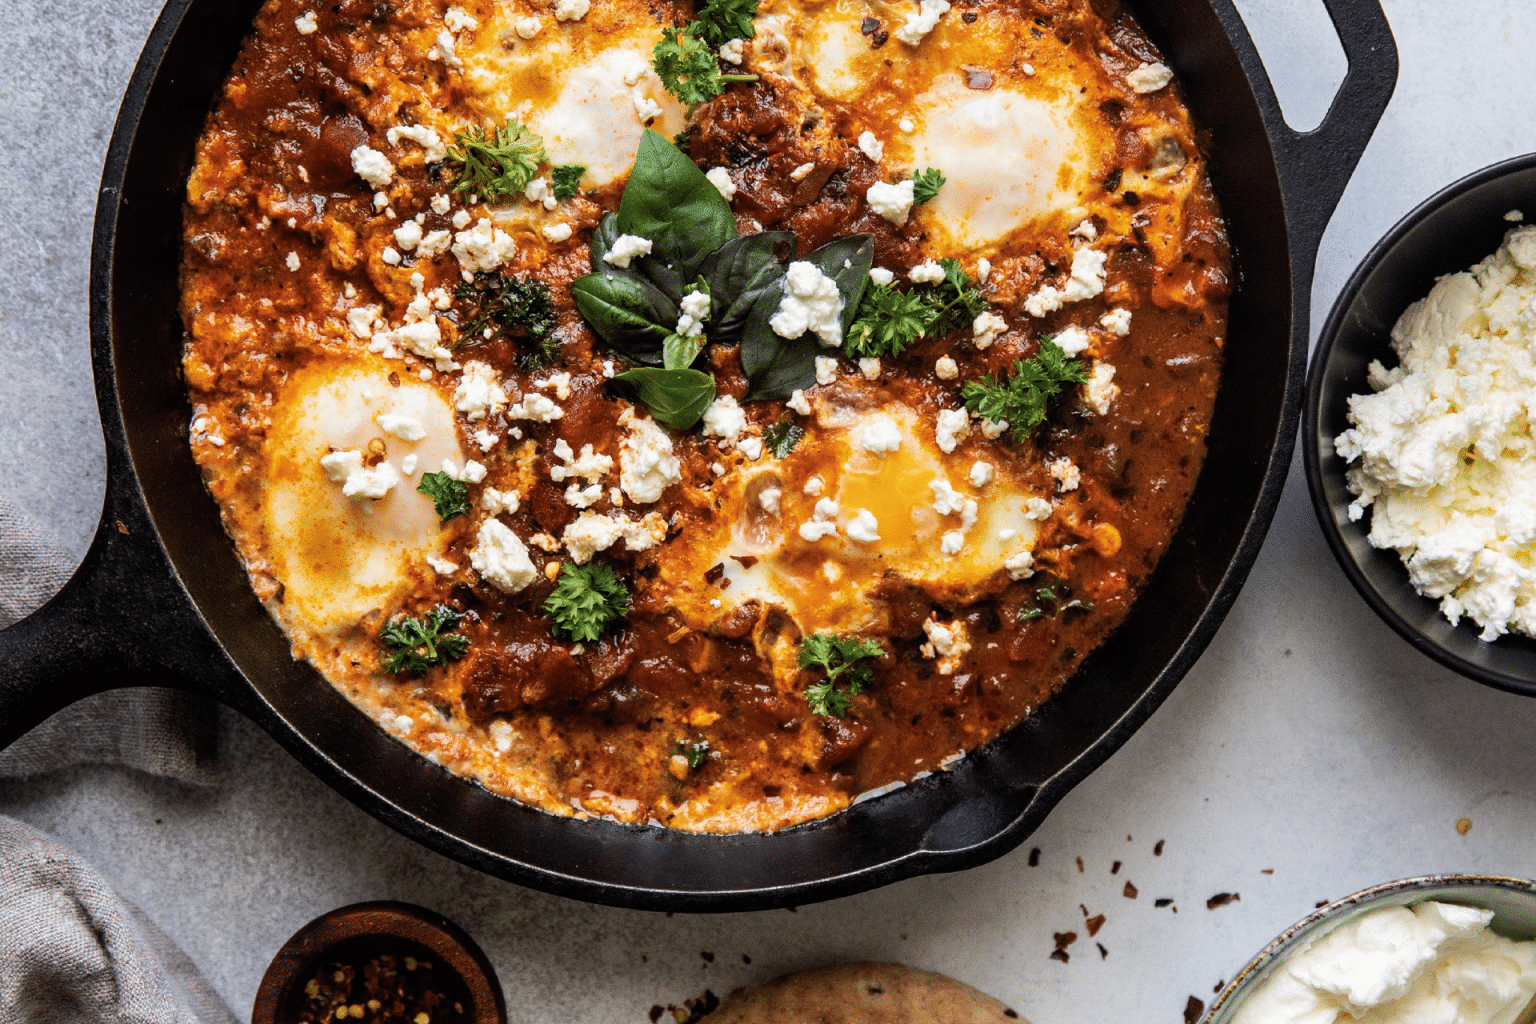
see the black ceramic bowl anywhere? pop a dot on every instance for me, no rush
(1449, 232)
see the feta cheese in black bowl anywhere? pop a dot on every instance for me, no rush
(1435, 463)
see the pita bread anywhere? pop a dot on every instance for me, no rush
(863, 993)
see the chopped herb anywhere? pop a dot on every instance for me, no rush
(496, 165)
(889, 321)
(682, 140)
(587, 601)
(517, 306)
(696, 753)
(689, 67)
(845, 661)
(781, 438)
(567, 180)
(926, 184)
(956, 300)
(416, 645)
(720, 21)
(1021, 399)
(450, 497)
(1052, 598)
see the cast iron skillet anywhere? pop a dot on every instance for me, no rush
(162, 599)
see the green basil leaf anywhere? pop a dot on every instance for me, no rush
(628, 312)
(669, 200)
(739, 272)
(847, 262)
(676, 398)
(602, 240)
(777, 367)
(678, 352)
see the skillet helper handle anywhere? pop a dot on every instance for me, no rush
(121, 620)
(1315, 166)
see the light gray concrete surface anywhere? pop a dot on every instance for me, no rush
(1309, 740)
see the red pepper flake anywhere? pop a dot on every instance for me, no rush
(1080, 868)
(1094, 924)
(1103, 953)
(1114, 868)
(1192, 1010)
(1221, 899)
(746, 959)
(1219, 986)
(1063, 940)
(1267, 871)
(387, 988)
(1164, 902)
(656, 1012)
(869, 26)
(1157, 851)
(1321, 903)
(709, 958)
(1034, 857)
(1131, 892)
(693, 1010)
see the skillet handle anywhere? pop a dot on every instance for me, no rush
(1315, 167)
(123, 619)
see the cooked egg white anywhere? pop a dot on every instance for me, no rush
(586, 87)
(342, 558)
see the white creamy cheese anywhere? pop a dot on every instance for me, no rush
(812, 303)
(986, 328)
(1072, 339)
(1101, 390)
(951, 428)
(721, 179)
(478, 393)
(306, 23)
(920, 24)
(625, 248)
(724, 419)
(731, 50)
(572, 10)
(863, 527)
(356, 479)
(871, 146)
(893, 202)
(501, 559)
(826, 369)
(406, 428)
(591, 533)
(372, 166)
(926, 272)
(1399, 965)
(1443, 451)
(946, 368)
(482, 249)
(880, 275)
(647, 466)
(556, 232)
(431, 143)
(1116, 322)
(537, 408)
(878, 434)
(1066, 474)
(1149, 78)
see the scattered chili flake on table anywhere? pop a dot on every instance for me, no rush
(386, 989)
(1192, 1010)
(1157, 851)
(1131, 892)
(1094, 923)
(1221, 899)
(1063, 940)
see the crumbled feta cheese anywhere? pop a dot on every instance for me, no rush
(501, 559)
(811, 302)
(306, 23)
(496, 502)
(537, 408)
(357, 480)
(981, 474)
(647, 466)
(372, 166)
(906, 124)
(826, 369)
(893, 202)
(1043, 300)
(473, 472)
(879, 435)
(1514, 216)
(625, 248)
(986, 328)
(768, 498)
(949, 502)
(1087, 278)
(863, 527)
(826, 510)
(813, 486)
(1086, 230)
(362, 319)
(951, 428)
(1149, 78)
(920, 24)
(1037, 509)
(478, 393)
(431, 143)
(1020, 565)
(694, 310)
(482, 249)
(572, 10)
(751, 447)
(869, 366)
(799, 403)
(556, 232)
(434, 244)
(646, 109)
(800, 173)
(1116, 322)
(946, 641)
(590, 533)
(721, 179)
(724, 419)
(650, 531)
(993, 429)
(442, 566)
(578, 496)
(461, 219)
(983, 270)
(951, 542)
(559, 383)
(390, 255)
(589, 465)
(812, 531)
(871, 146)
(485, 439)
(292, 262)
(424, 339)
(1065, 472)
(408, 465)
(1072, 339)
(946, 368)
(408, 235)
(441, 204)
(527, 28)
(456, 19)
(1101, 391)
(730, 51)
(926, 272)
(880, 275)
(406, 428)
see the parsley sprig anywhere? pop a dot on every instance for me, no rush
(1021, 399)
(515, 306)
(890, 320)
(845, 660)
(926, 184)
(416, 645)
(689, 67)
(449, 497)
(720, 21)
(565, 180)
(587, 601)
(496, 165)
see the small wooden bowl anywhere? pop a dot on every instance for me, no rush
(365, 930)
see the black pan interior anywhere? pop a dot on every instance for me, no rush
(1448, 233)
(982, 808)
